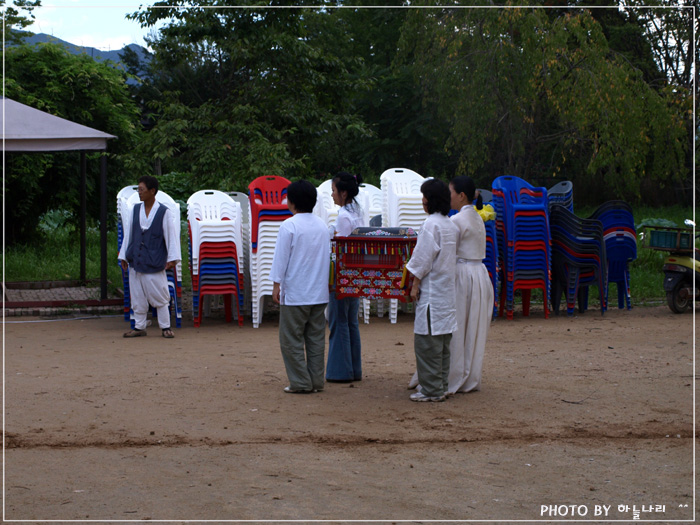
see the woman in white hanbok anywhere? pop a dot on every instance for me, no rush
(474, 291)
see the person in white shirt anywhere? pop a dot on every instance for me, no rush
(150, 247)
(432, 264)
(299, 273)
(344, 345)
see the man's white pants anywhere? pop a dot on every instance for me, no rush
(145, 289)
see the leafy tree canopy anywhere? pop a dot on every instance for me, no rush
(75, 87)
(246, 92)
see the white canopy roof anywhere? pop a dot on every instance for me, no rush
(27, 129)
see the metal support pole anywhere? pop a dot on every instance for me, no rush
(103, 226)
(83, 213)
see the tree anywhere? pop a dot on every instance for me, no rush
(75, 87)
(537, 97)
(15, 21)
(405, 132)
(244, 92)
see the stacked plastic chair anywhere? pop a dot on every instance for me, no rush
(522, 228)
(268, 208)
(242, 199)
(371, 200)
(402, 207)
(174, 275)
(620, 237)
(124, 216)
(491, 260)
(562, 194)
(215, 240)
(325, 207)
(578, 258)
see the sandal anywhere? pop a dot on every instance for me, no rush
(135, 333)
(168, 333)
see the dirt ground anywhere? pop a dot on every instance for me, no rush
(578, 418)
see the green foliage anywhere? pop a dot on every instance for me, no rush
(534, 97)
(16, 17)
(79, 89)
(244, 93)
(55, 219)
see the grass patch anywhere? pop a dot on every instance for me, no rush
(57, 258)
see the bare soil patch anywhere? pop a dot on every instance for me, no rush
(591, 412)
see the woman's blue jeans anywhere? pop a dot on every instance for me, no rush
(344, 346)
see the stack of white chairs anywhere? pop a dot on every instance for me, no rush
(325, 207)
(174, 276)
(403, 201)
(267, 210)
(242, 199)
(370, 199)
(215, 233)
(402, 206)
(123, 219)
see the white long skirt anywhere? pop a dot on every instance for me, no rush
(474, 313)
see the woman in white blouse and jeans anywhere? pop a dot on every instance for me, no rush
(344, 346)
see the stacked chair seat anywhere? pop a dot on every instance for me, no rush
(578, 258)
(620, 237)
(522, 227)
(268, 209)
(563, 194)
(174, 275)
(402, 207)
(215, 240)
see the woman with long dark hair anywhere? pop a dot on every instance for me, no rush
(344, 345)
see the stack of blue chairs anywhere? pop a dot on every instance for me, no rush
(491, 260)
(620, 237)
(522, 227)
(578, 259)
(563, 194)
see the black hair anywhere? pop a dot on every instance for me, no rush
(150, 182)
(464, 184)
(302, 194)
(437, 194)
(345, 181)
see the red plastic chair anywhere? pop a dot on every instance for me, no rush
(267, 193)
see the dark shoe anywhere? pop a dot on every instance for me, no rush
(168, 333)
(339, 380)
(135, 333)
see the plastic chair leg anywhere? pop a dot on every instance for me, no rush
(526, 295)
(227, 307)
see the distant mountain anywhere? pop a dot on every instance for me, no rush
(97, 54)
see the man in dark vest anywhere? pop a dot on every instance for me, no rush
(150, 247)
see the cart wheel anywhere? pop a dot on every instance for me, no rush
(676, 302)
